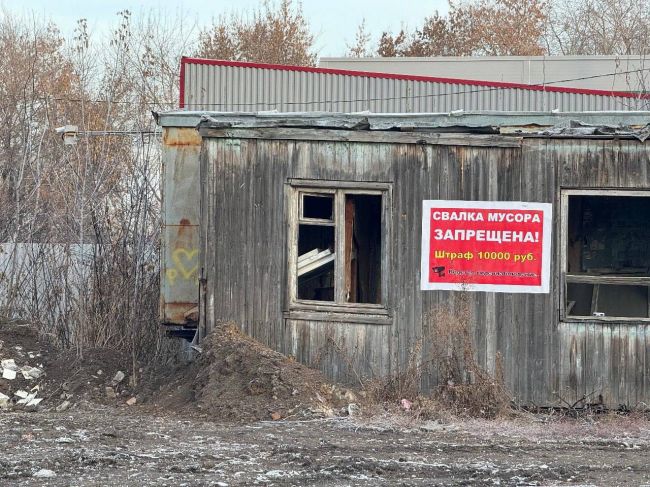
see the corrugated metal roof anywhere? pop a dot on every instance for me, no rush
(250, 87)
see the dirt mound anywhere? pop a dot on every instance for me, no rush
(34, 374)
(238, 379)
(100, 375)
(234, 378)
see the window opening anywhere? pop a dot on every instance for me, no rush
(607, 256)
(363, 248)
(320, 207)
(339, 248)
(316, 262)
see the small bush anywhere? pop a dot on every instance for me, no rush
(464, 386)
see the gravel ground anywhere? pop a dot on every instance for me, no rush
(132, 447)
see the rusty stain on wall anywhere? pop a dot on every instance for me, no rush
(180, 250)
(174, 137)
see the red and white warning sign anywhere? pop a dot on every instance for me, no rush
(493, 246)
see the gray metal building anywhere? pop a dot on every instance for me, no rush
(249, 87)
(618, 73)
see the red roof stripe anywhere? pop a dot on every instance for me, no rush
(368, 74)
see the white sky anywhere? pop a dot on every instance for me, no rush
(333, 21)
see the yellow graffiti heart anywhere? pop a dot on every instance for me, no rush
(181, 257)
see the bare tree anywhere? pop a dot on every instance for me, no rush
(599, 27)
(481, 27)
(82, 221)
(359, 48)
(274, 34)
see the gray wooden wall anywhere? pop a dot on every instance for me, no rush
(244, 255)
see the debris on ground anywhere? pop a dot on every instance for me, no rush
(21, 367)
(64, 406)
(44, 473)
(110, 445)
(35, 375)
(234, 378)
(4, 400)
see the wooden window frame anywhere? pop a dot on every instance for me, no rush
(566, 278)
(337, 310)
(315, 221)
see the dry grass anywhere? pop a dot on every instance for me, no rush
(444, 352)
(464, 385)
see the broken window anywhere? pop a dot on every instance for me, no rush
(316, 262)
(338, 237)
(362, 248)
(606, 256)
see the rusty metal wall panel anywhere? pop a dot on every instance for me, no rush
(248, 89)
(179, 254)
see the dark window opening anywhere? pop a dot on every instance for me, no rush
(600, 300)
(363, 248)
(316, 262)
(609, 235)
(319, 207)
(608, 256)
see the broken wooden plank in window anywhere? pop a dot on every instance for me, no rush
(309, 261)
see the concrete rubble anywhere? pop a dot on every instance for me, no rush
(30, 373)
(9, 369)
(44, 473)
(64, 406)
(8, 374)
(28, 399)
(11, 372)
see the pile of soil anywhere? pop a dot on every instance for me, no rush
(92, 377)
(66, 379)
(235, 378)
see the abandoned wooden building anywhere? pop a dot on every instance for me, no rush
(345, 239)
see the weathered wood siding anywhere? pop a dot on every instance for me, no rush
(244, 257)
(608, 359)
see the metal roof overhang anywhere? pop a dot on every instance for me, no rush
(404, 121)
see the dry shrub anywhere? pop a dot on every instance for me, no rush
(405, 383)
(80, 224)
(464, 386)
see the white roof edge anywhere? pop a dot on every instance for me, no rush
(379, 59)
(186, 118)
